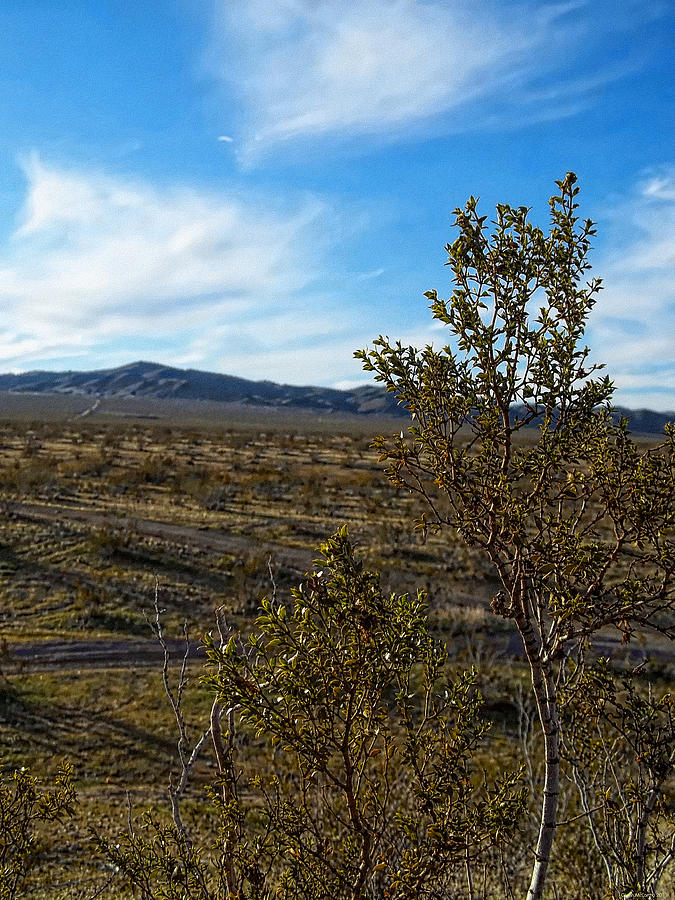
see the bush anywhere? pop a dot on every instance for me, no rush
(23, 805)
(374, 791)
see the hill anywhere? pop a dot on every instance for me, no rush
(152, 381)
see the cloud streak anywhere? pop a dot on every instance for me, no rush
(96, 259)
(313, 69)
(101, 269)
(632, 327)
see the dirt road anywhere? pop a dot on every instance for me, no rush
(94, 654)
(130, 653)
(211, 539)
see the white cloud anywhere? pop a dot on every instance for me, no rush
(367, 276)
(660, 185)
(335, 68)
(102, 269)
(632, 327)
(97, 259)
(326, 358)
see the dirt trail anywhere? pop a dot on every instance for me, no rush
(213, 540)
(89, 410)
(94, 654)
(147, 653)
(130, 653)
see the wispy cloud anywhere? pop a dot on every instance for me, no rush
(339, 69)
(367, 276)
(633, 325)
(101, 269)
(660, 185)
(96, 260)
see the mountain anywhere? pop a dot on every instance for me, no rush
(151, 380)
(641, 421)
(644, 421)
(154, 381)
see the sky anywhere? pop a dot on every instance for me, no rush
(260, 187)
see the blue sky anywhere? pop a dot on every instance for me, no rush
(259, 187)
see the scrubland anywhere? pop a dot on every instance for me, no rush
(96, 518)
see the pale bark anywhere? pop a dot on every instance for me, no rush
(224, 762)
(545, 696)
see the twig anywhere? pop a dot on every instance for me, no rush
(227, 774)
(581, 815)
(274, 584)
(104, 887)
(176, 701)
(130, 826)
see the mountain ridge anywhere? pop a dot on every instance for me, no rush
(158, 381)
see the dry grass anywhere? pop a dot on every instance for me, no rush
(78, 554)
(93, 514)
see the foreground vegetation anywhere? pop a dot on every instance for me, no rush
(358, 751)
(81, 543)
(579, 527)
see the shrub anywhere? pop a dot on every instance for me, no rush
(23, 805)
(374, 791)
(578, 522)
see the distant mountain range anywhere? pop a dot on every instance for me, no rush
(154, 381)
(151, 380)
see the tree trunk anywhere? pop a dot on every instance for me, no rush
(224, 762)
(544, 691)
(640, 852)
